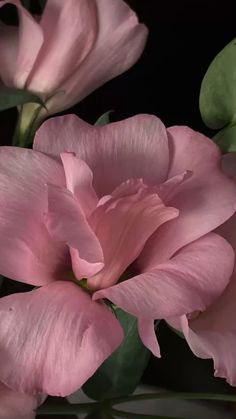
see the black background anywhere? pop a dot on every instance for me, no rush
(184, 37)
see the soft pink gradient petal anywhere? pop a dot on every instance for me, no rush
(119, 42)
(169, 188)
(79, 180)
(66, 222)
(8, 52)
(27, 45)
(134, 148)
(15, 405)
(188, 282)
(123, 224)
(199, 199)
(60, 55)
(28, 253)
(213, 334)
(228, 164)
(61, 338)
(148, 336)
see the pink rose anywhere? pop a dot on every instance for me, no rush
(74, 48)
(123, 212)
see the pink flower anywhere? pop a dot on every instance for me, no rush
(74, 48)
(127, 211)
(16, 405)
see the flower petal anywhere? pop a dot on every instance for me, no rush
(25, 47)
(199, 199)
(54, 338)
(79, 180)
(228, 164)
(123, 224)
(60, 54)
(120, 40)
(148, 336)
(28, 253)
(66, 222)
(213, 334)
(188, 282)
(8, 52)
(134, 148)
(16, 405)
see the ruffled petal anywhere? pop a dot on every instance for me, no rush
(28, 253)
(54, 338)
(79, 179)
(213, 335)
(123, 224)
(148, 336)
(131, 149)
(199, 199)
(66, 222)
(190, 281)
(20, 50)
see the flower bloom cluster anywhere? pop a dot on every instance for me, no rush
(130, 214)
(92, 203)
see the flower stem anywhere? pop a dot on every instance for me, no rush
(56, 408)
(180, 396)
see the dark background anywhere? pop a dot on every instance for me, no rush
(185, 35)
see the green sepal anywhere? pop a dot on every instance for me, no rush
(120, 374)
(104, 119)
(218, 90)
(226, 139)
(11, 97)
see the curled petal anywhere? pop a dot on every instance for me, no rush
(123, 224)
(79, 180)
(190, 281)
(148, 336)
(19, 48)
(66, 222)
(60, 54)
(119, 42)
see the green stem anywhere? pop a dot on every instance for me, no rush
(55, 408)
(129, 415)
(180, 396)
(27, 124)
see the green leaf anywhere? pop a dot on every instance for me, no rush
(218, 90)
(11, 97)
(226, 139)
(120, 374)
(104, 119)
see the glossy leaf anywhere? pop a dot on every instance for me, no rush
(218, 89)
(11, 97)
(120, 374)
